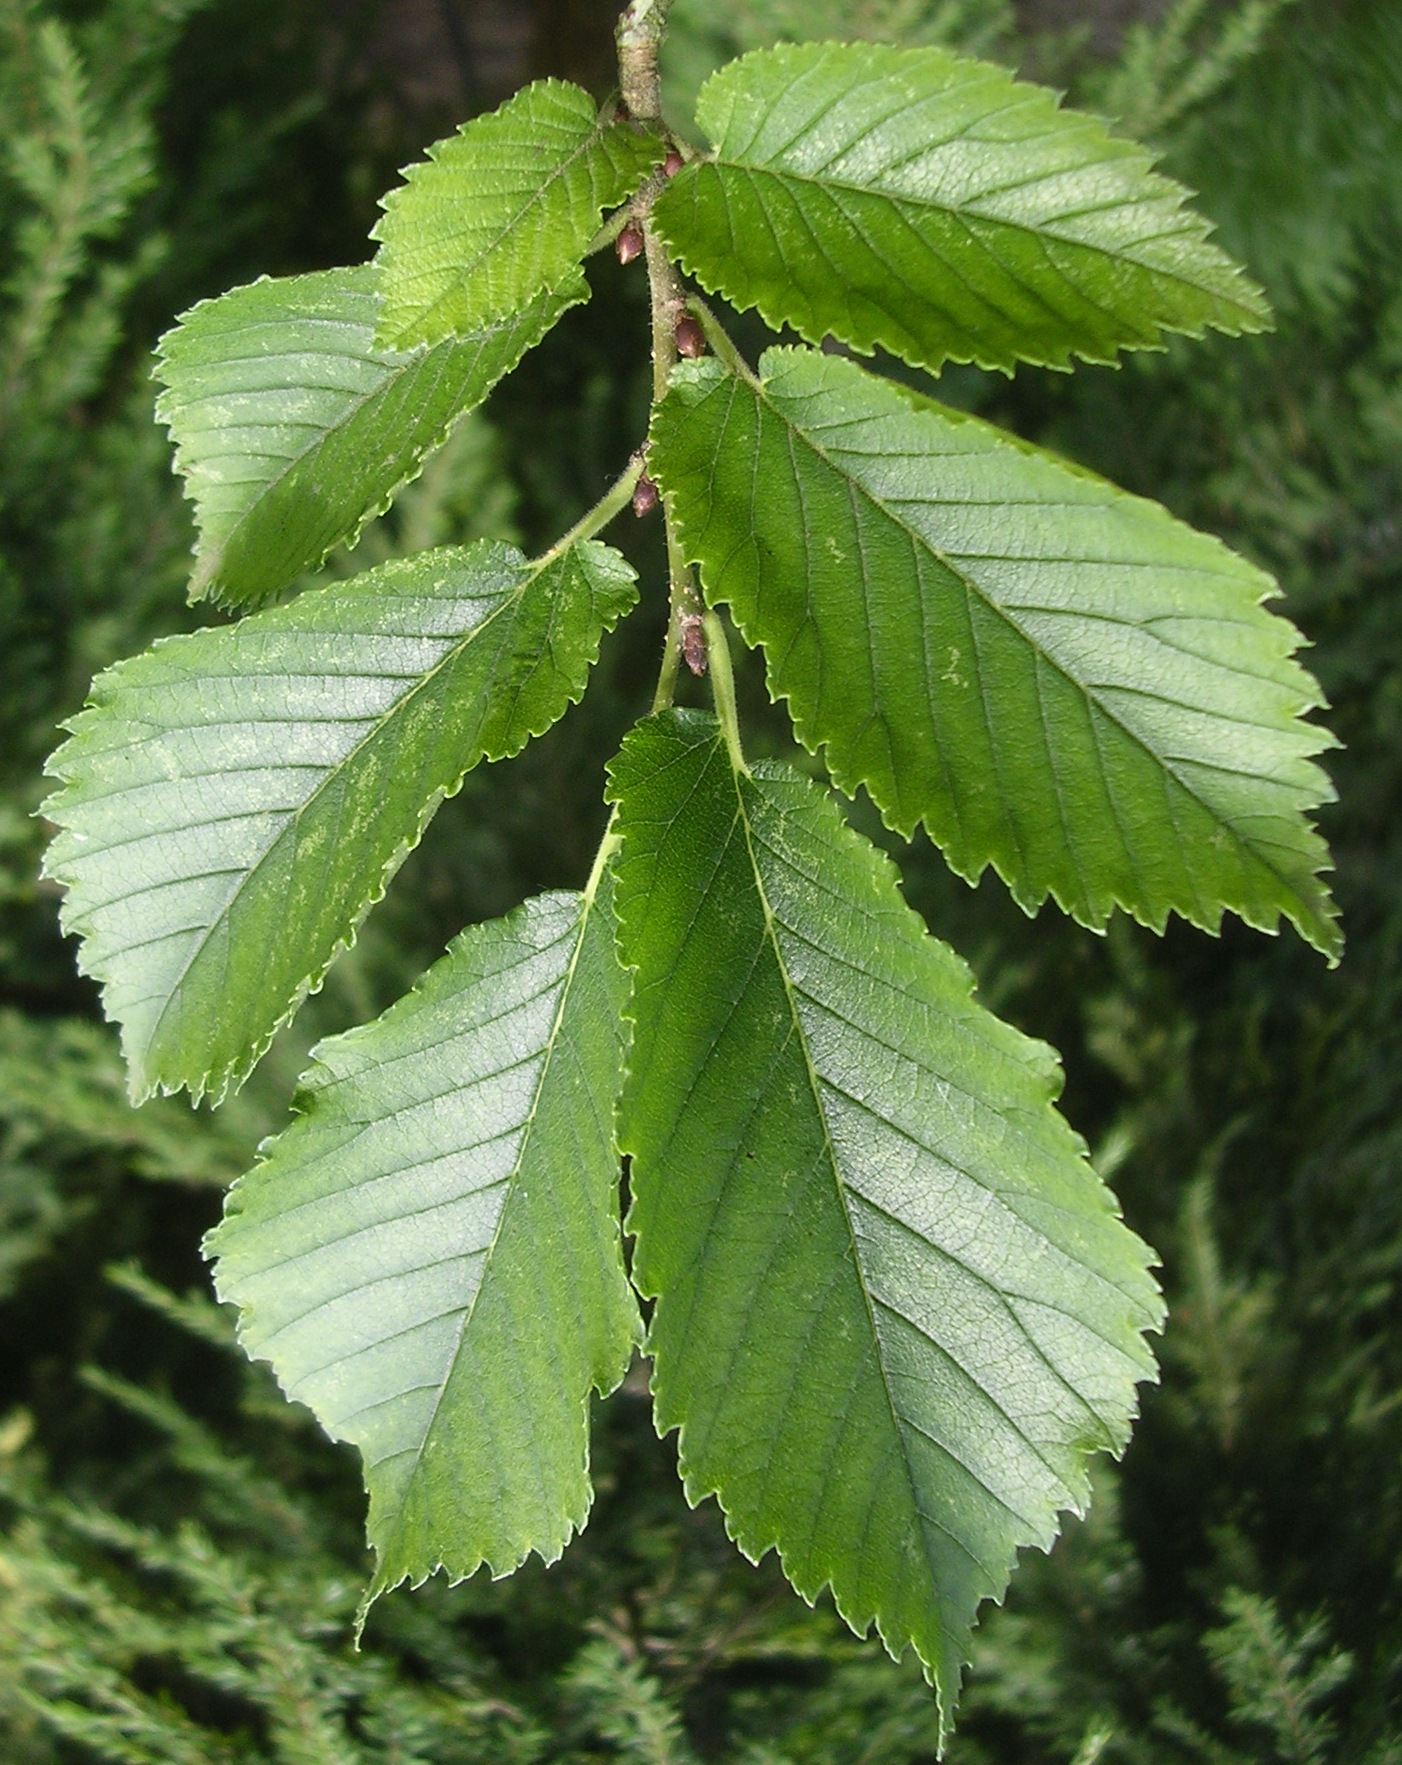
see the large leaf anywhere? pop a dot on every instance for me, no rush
(292, 429)
(896, 1309)
(938, 207)
(1057, 678)
(234, 801)
(430, 1255)
(501, 210)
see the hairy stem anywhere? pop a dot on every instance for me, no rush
(610, 230)
(719, 340)
(640, 31)
(615, 499)
(667, 673)
(668, 305)
(723, 689)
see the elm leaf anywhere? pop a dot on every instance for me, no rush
(896, 1309)
(502, 210)
(1055, 677)
(292, 429)
(234, 801)
(430, 1256)
(941, 209)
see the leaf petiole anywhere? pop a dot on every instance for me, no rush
(608, 845)
(723, 690)
(720, 340)
(614, 500)
(610, 230)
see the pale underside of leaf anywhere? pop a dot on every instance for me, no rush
(234, 801)
(430, 1255)
(501, 210)
(1055, 677)
(292, 429)
(895, 1308)
(938, 208)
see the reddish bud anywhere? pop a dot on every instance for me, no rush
(672, 164)
(629, 243)
(644, 495)
(690, 339)
(692, 632)
(621, 112)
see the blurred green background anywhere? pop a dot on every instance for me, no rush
(181, 1552)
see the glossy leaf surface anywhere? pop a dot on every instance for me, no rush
(502, 210)
(292, 429)
(430, 1255)
(1055, 677)
(935, 206)
(895, 1307)
(234, 801)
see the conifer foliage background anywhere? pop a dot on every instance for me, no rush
(181, 1554)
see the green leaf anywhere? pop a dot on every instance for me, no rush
(293, 430)
(939, 208)
(501, 210)
(234, 801)
(896, 1308)
(430, 1255)
(1056, 678)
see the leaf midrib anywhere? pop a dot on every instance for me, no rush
(508, 601)
(830, 1154)
(972, 587)
(967, 213)
(817, 1085)
(585, 906)
(464, 272)
(391, 374)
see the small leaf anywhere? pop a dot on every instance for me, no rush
(293, 430)
(896, 1309)
(935, 206)
(1056, 678)
(234, 801)
(430, 1255)
(501, 210)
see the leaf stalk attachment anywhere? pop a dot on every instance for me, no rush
(720, 340)
(723, 690)
(614, 500)
(608, 845)
(609, 231)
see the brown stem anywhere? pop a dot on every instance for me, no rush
(640, 30)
